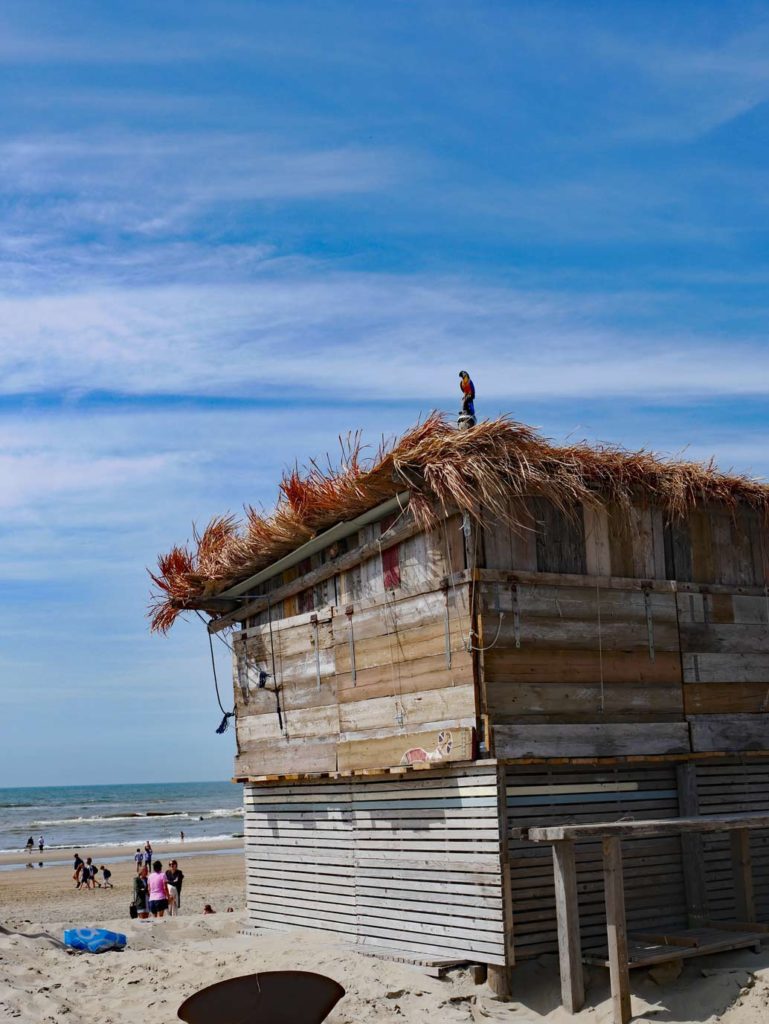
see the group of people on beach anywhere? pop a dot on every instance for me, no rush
(157, 891)
(31, 844)
(86, 872)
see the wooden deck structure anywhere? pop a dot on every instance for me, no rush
(415, 702)
(644, 949)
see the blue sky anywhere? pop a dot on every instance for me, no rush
(229, 232)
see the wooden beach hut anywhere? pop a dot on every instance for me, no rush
(475, 638)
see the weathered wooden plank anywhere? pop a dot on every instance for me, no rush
(616, 930)
(497, 543)
(419, 566)
(567, 916)
(618, 603)
(396, 644)
(554, 665)
(560, 538)
(523, 534)
(386, 680)
(743, 875)
(726, 698)
(281, 756)
(451, 744)
(703, 638)
(648, 544)
(730, 732)
(621, 546)
(678, 551)
(702, 548)
(652, 827)
(597, 550)
(726, 668)
(579, 634)
(409, 709)
(592, 740)
(309, 723)
(571, 702)
(691, 845)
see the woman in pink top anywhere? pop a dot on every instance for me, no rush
(158, 887)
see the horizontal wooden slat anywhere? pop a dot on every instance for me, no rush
(445, 745)
(726, 698)
(730, 732)
(604, 739)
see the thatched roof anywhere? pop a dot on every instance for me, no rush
(473, 470)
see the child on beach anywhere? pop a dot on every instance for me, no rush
(106, 874)
(138, 859)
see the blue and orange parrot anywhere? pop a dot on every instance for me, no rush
(468, 393)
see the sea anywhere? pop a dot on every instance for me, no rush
(76, 817)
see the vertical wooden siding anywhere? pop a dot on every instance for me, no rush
(410, 864)
(710, 546)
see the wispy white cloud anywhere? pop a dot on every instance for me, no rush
(380, 336)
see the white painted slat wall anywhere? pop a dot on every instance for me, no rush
(411, 863)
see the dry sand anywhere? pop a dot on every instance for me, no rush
(165, 961)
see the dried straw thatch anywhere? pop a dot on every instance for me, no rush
(474, 470)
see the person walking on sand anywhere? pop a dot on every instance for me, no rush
(138, 859)
(30, 844)
(88, 875)
(77, 869)
(41, 844)
(106, 874)
(158, 887)
(140, 892)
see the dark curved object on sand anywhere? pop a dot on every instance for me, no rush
(272, 997)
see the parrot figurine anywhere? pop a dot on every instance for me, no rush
(467, 413)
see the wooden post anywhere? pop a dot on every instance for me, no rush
(691, 846)
(499, 981)
(499, 978)
(567, 913)
(616, 931)
(743, 875)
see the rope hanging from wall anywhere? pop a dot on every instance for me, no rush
(227, 715)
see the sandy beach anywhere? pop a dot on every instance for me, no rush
(165, 961)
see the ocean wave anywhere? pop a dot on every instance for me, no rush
(189, 842)
(220, 812)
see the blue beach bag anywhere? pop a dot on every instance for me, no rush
(93, 940)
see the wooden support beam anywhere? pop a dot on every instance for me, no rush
(567, 914)
(499, 981)
(649, 827)
(691, 846)
(504, 865)
(559, 579)
(401, 531)
(743, 875)
(616, 930)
